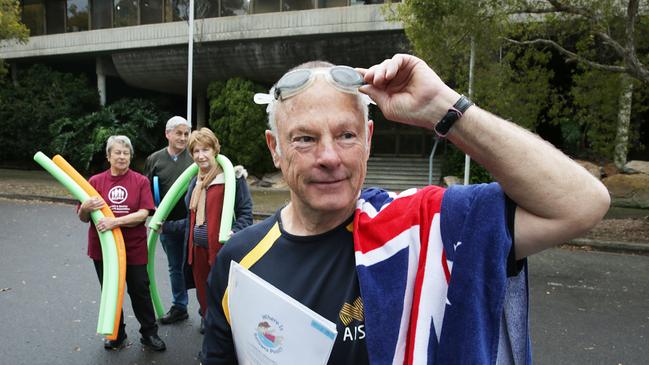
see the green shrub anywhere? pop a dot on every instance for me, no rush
(40, 97)
(240, 124)
(453, 164)
(82, 141)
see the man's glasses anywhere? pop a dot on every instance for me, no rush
(343, 78)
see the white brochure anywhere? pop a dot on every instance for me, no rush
(270, 327)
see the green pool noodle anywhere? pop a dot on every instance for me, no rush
(227, 215)
(108, 303)
(175, 193)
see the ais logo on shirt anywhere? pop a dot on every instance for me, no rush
(349, 313)
(117, 194)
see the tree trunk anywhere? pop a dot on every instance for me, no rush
(623, 121)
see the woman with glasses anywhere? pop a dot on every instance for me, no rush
(128, 195)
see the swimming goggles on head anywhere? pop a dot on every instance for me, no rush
(343, 78)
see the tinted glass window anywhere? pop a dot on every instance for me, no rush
(102, 14)
(150, 11)
(77, 14)
(179, 9)
(206, 9)
(234, 7)
(34, 16)
(288, 5)
(265, 6)
(331, 3)
(125, 13)
(55, 16)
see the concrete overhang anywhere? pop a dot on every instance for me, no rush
(259, 47)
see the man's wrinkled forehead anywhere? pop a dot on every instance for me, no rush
(319, 98)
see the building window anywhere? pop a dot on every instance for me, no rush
(206, 9)
(101, 14)
(288, 5)
(178, 9)
(331, 3)
(265, 6)
(33, 16)
(77, 15)
(235, 7)
(150, 11)
(55, 16)
(126, 13)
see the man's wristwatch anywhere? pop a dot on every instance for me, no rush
(454, 113)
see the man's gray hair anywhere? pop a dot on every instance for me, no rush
(272, 106)
(123, 140)
(175, 121)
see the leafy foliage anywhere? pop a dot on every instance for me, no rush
(83, 140)
(40, 97)
(592, 128)
(10, 25)
(517, 46)
(453, 164)
(239, 123)
(513, 83)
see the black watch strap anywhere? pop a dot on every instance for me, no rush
(454, 113)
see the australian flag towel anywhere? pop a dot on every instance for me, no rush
(433, 271)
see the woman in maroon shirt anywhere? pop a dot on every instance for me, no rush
(128, 195)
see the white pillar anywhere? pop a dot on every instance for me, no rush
(101, 81)
(14, 73)
(201, 107)
(467, 158)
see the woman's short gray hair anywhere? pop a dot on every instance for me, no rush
(123, 140)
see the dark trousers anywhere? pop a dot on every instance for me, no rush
(137, 284)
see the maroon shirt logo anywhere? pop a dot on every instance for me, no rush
(117, 194)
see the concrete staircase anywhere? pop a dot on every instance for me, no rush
(400, 173)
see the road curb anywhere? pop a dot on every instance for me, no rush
(599, 245)
(611, 246)
(53, 199)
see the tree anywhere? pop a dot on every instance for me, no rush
(514, 83)
(82, 139)
(613, 40)
(239, 124)
(30, 106)
(10, 26)
(517, 43)
(606, 23)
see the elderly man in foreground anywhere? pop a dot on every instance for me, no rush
(426, 276)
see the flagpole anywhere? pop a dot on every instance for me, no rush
(190, 61)
(467, 158)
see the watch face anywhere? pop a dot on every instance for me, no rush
(452, 115)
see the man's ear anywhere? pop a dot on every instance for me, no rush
(370, 132)
(271, 142)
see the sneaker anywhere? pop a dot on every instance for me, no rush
(154, 342)
(115, 344)
(174, 315)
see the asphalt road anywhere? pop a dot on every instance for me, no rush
(50, 300)
(586, 307)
